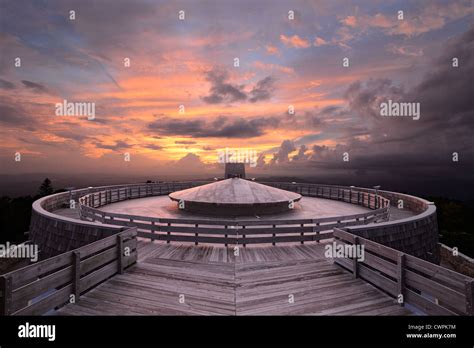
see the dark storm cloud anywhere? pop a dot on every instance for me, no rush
(153, 147)
(119, 145)
(221, 127)
(12, 115)
(446, 93)
(79, 137)
(185, 142)
(400, 147)
(285, 149)
(262, 90)
(301, 155)
(321, 118)
(365, 97)
(4, 84)
(223, 91)
(36, 87)
(446, 103)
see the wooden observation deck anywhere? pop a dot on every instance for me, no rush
(209, 280)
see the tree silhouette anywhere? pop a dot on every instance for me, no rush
(46, 188)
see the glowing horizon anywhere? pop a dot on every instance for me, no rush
(139, 62)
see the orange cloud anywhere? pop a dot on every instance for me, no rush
(272, 49)
(269, 66)
(295, 41)
(318, 41)
(350, 21)
(432, 17)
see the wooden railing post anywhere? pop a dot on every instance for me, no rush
(225, 235)
(274, 236)
(243, 235)
(401, 276)
(302, 234)
(120, 253)
(76, 275)
(354, 260)
(6, 288)
(169, 234)
(196, 234)
(470, 297)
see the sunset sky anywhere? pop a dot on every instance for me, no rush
(283, 62)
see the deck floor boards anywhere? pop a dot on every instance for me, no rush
(213, 281)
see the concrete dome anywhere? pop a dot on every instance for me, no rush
(235, 197)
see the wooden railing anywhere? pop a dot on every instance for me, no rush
(433, 289)
(353, 195)
(233, 232)
(46, 285)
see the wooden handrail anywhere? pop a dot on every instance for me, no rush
(433, 289)
(257, 231)
(46, 285)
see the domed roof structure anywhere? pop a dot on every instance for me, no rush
(235, 197)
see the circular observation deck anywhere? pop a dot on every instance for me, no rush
(235, 197)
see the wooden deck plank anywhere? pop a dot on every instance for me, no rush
(215, 282)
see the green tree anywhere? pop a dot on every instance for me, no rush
(46, 188)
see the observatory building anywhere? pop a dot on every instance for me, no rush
(191, 245)
(234, 170)
(235, 196)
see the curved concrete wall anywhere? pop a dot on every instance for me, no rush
(416, 235)
(55, 234)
